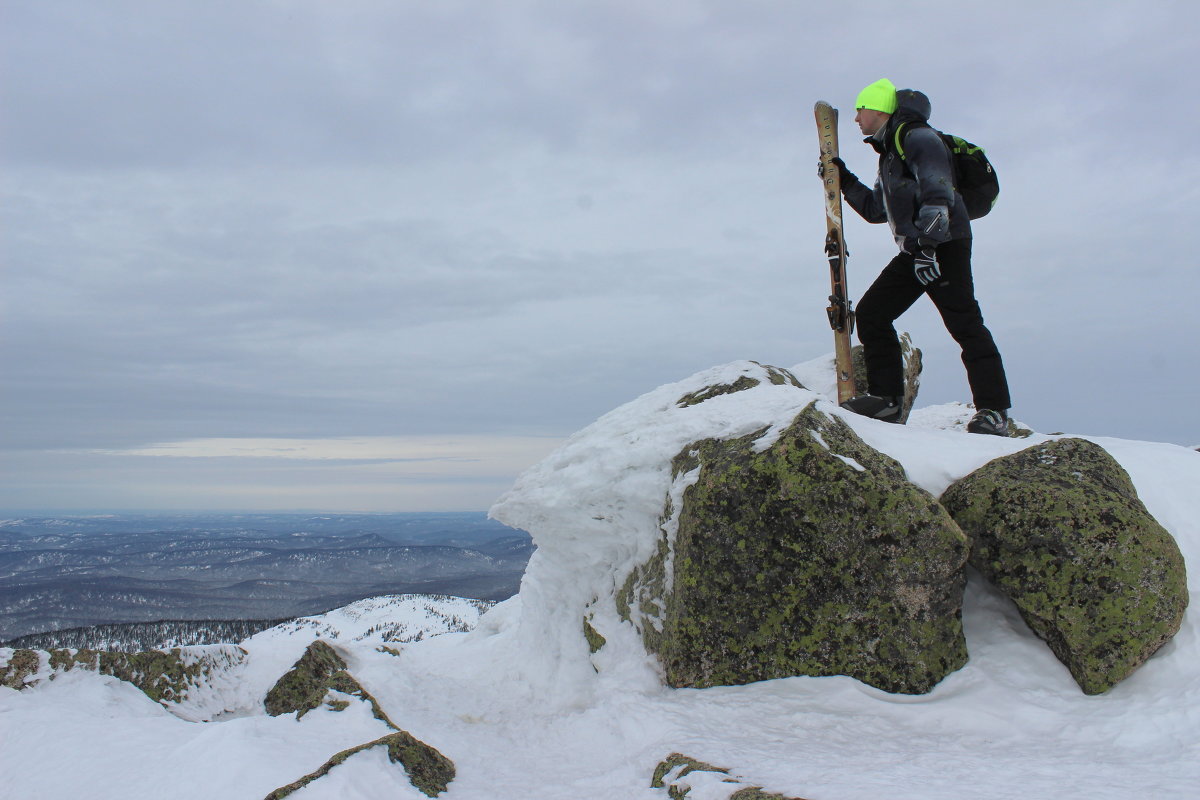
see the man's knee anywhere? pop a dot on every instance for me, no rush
(871, 320)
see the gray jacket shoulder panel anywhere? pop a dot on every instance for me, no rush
(923, 177)
(928, 159)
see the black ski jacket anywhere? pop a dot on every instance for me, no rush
(915, 195)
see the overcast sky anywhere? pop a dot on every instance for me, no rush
(369, 255)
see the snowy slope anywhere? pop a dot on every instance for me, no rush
(378, 620)
(524, 710)
(87, 735)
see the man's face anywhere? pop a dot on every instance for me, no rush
(870, 121)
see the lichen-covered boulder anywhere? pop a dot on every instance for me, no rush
(1059, 529)
(808, 554)
(165, 676)
(305, 685)
(310, 680)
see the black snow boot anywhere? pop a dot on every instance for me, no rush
(874, 406)
(988, 421)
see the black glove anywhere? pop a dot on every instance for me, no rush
(925, 266)
(844, 175)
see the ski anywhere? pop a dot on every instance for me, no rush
(840, 310)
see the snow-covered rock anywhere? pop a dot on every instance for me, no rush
(523, 707)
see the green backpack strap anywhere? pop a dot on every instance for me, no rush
(900, 147)
(901, 129)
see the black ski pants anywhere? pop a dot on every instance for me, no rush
(894, 292)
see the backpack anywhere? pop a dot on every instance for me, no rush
(974, 176)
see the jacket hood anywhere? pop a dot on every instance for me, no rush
(911, 106)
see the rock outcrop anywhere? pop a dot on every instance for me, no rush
(1059, 529)
(310, 680)
(806, 554)
(428, 770)
(319, 677)
(678, 775)
(20, 669)
(165, 676)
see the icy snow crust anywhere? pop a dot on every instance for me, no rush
(524, 710)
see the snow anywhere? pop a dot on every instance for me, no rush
(83, 735)
(524, 710)
(364, 776)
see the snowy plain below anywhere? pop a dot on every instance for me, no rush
(524, 710)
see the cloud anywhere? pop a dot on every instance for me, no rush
(457, 454)
(328, 222)
(415, 473)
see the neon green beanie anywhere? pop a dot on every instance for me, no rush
(879, 96)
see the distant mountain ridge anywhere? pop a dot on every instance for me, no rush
(80, 572)
(388, 618)
(135, 637)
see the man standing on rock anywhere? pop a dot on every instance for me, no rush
(915, 194)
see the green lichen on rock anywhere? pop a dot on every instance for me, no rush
(1018, 431)
(594, 639)
(671, 771)
(677, 766)
(756, 793)
(305, 686)
(780, 377)
(641, 596)
(22, 665)
(684, 765)
(427, 769)
(815, 556)
(165, 676)
(64, 660)
(696, 398)
(1060, 530)
(774, 375)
